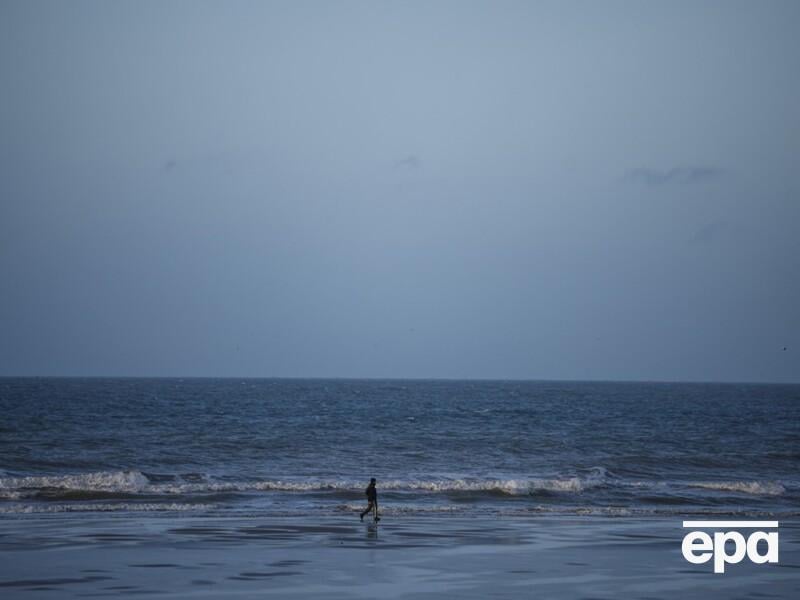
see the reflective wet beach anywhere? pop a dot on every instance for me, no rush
(72, 556)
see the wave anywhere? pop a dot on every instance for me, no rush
(410, 510)
(511, 487)
(641, 511)
(103, 484)
(128, 485)
(760, 488)
(115, 507)
(400, 509)
(115, 481)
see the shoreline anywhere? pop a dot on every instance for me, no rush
(339, 557)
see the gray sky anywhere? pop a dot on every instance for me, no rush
(588, 190)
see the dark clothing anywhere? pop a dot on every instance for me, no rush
(372, 496)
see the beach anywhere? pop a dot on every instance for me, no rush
(75, 556)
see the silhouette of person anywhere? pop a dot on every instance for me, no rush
(372, 497)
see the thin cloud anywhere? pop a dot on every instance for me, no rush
(676, 176)
(708, 233)
(411, 161)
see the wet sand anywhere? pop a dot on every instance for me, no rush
(82, 556)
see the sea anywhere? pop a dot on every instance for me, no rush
(308, 447)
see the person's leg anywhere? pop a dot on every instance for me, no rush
(366, 510)
(375, 512)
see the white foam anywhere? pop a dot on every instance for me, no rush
(513, 487)
(116, 507)
(113, 481)
(761, 488)
(395, 509)
(622, 511)
(134, 482)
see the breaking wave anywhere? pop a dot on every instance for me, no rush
(760, 488)
(92, 507)
(134, 490)
(114, 481)
(131, 483)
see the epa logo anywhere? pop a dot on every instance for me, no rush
(760, 546)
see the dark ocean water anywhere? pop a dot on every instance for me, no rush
(286, 447)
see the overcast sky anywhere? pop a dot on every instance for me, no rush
(588, 190)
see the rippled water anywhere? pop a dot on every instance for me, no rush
(300, 446)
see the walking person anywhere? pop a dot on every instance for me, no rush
(372, 497)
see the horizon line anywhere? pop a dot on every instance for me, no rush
(396, 378)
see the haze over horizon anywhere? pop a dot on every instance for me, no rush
(488, 190)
